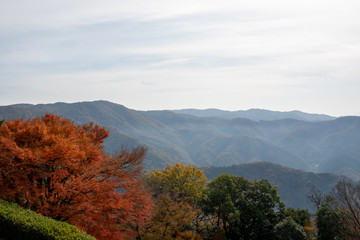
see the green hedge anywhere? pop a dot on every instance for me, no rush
(19, 223)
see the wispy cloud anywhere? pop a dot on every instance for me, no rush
(228, 54)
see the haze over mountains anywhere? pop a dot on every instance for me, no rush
(321, 143)
(220, 141)
(256, 114)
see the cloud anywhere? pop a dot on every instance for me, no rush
(253, 53)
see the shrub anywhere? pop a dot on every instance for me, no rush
(19, 223)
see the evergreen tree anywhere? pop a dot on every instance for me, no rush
(330, 221)
(244, 209)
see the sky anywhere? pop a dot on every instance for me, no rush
(167, 54)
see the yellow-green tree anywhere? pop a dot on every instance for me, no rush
(176, 192)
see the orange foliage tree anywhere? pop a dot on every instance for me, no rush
(60, 170)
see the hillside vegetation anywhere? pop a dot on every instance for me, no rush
(59, 169)
(293, 184)
(313, 145)
(23, 224)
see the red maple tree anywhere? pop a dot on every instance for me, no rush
(60, 170)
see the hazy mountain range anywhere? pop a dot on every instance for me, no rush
(310, 142)
(321, 143)
(256, 114)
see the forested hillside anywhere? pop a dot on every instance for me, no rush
(320, 146)
(59, 169)
(293, 184)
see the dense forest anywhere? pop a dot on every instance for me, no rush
(59, 169)
(293, 184)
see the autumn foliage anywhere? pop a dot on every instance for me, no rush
(176, 191)
(60, 170)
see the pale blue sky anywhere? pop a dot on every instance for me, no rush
(156, 54)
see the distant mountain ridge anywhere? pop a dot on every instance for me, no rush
(322, 146)
(256, 114)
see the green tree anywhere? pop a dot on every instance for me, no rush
(244, 209)
(300, 216)
(331, 221)
(288, 229)
(218, 201)
(2, 122)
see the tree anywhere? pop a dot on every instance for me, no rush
(244, 209)
(300, 216)
(186, 182)
(58, 169)
(330, 221)
(288, 229)
(176, 192)
(315, 195)
(218, 201)
(347, 196)
(171, 219)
